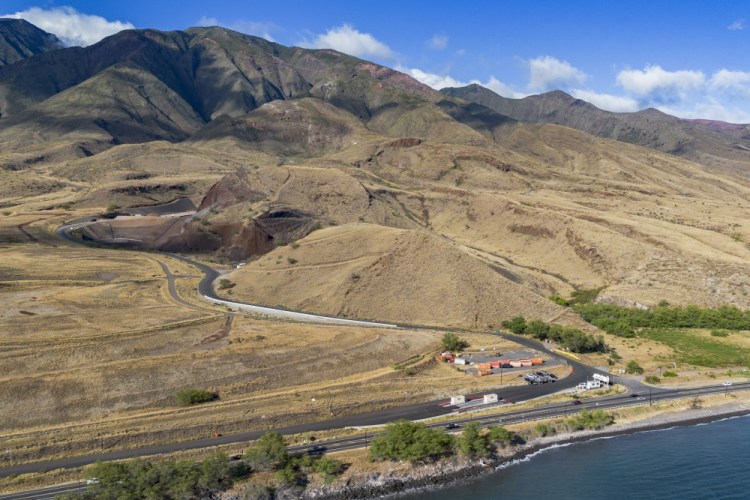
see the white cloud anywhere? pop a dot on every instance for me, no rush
(438, 82)
(548, 73)
(433, 80)
(71, 26)
(737, 25)
(709, 108)
(654, 84)
(438, 42)
(255, 28)
(500, 88)
(349, 40)
(608, 102)
(734, 83)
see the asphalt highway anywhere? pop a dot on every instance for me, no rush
(541, 412)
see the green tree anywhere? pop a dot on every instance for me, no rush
(268, 453)
(452, 342)
(473, 443)
(516, 325)
(136, 479)
(633, 368)
(500, 435)
(410, 441)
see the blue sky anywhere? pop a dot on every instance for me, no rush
(687, 58)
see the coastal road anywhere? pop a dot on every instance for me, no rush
(547, 411)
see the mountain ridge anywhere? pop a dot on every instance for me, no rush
(20, 39)
(724, 146)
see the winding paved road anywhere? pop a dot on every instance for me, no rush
(419, 411)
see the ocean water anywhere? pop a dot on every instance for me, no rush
(706, 461)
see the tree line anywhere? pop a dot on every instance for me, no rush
(625, 321)
(570, 338)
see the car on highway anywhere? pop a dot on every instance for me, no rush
(451, 426)
(93, 480)
(577, 402)
(634, 395)
(726, 384)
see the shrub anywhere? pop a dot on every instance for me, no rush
(410, 441)
(670, 374)
(452, 342)
(633, 368)
(544, 429)
(719, 333)
(112, 207)
(584, 296)
(295, 245)
(291, 260)
(652, 379)
(472, 443)
(587, 420)
(192, 396)
(329, 467)
(501, 435)
(225, 284)
(558, 300)
(268, 453)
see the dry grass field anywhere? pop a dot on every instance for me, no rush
(93, 349)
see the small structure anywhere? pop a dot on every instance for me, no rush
(458, 400)
(589, 384)
(460, 361)
(490, 398)
(604, 379)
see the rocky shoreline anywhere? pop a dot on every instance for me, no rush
(455, 470)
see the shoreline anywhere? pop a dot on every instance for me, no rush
(456, 471)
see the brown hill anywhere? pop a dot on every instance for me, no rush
(407, 276)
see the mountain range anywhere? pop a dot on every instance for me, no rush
(712, 143)
(352, 189)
